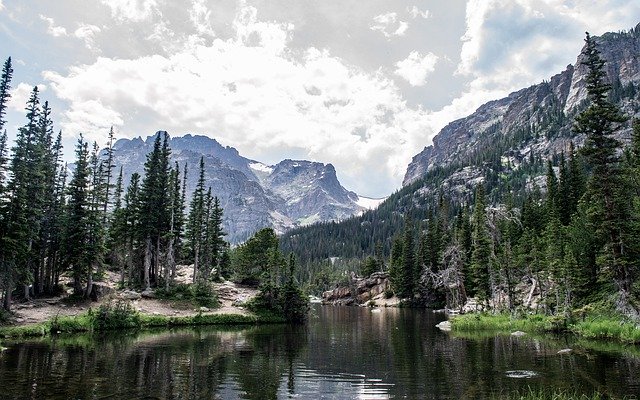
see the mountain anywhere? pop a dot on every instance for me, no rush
(534, 122)
(504, 144)
(254, 195)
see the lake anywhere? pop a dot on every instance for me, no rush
(342, 353)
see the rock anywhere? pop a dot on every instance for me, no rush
(130, 295)
(203, 309)
(359, 291)
(238, 303)
(565, 351)
(148, 294)
(518, 333)
(444, 326)
(98, 291)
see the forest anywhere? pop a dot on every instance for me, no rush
(575, 242)
(79, 220)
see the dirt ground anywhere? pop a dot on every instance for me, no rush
(230, 296)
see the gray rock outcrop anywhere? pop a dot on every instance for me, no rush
(359, 291)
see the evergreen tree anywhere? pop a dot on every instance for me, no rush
(5, 90)
(196, 221)
(608, 209)
(77, 234)
(481, 253)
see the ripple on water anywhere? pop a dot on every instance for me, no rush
(521, 374)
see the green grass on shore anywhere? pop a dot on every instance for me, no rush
(541, 394)
(595, 327)
(91, 322)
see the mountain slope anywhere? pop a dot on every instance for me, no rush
(253, 195)
(504, 144)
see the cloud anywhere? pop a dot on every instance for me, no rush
(416, 67)
(389, 25)
(200, 15)
(415, 12)
(1, 6)
(20, 95)
(511, 44)
(52, 29)
(132, 10)
(250, 92)
(87, 32)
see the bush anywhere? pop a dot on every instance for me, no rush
(116, 316)
(388, 294)
(286, 303)
(200, 294)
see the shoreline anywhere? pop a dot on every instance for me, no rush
(89, 323)
(594, 327)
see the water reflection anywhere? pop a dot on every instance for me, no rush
(343, 353)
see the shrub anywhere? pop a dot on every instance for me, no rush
(200, 294)
(116, 316)
(286, 303)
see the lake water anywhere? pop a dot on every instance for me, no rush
(342, 353)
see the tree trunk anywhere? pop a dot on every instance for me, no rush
(147, 262)
(7, 293)
(87, 293)
(195, 263)
(169, 264)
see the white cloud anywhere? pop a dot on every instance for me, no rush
(251, 94)
(52, 29)
(389, 25)
(132, 10)
(86, 33)
(1, 6)
(200, 16)
(415, 12)
(20, 95)
(416, 67)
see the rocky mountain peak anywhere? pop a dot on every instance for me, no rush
(536, 120)
(254, 195)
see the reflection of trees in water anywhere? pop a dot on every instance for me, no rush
(341, 351)
(188, 364)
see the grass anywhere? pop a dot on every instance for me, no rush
(607, 328)
(122, 317)
(595, 327)
(541, 394)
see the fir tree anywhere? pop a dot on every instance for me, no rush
(77, 235)
(607, 207)
(5, 90)
(481, 253)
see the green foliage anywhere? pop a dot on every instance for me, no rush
(257, 259)
(120, 315)
(200, 294)
(286, 301)
(545, 394)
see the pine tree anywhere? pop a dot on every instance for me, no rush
(108, 171)
(77, 229)
(607, 207)
(481, 253)
(196, 221)
(5, 90)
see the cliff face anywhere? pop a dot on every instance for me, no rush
(537, 120)
(253, 195)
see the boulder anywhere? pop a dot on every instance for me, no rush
(99, 291)
(203, 309)
(444, 326)
(148, 294)
(130, 295)
(518, 333)
(565, 351)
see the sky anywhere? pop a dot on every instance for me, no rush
(364, 85)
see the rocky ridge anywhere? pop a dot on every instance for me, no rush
(532, 122)
(253, 195)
